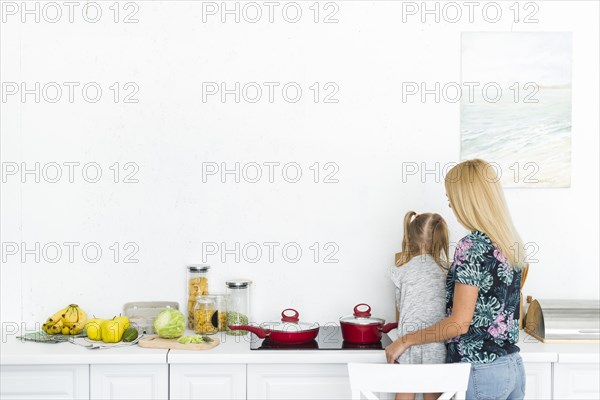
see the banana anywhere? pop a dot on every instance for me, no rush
(56, 317)
(76, 329)
(56, 328)
(71, 315)
(83, 318)
(74, 316)
(53, 328)
(68, 321)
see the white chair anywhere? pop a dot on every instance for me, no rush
(448, 379)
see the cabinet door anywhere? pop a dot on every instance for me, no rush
(576, 381)
(44, 382)
(298, 381)
(207, 381)
(538, 381)
(129, 381)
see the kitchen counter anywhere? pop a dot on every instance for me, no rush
(16, 352)
(533, 350)
(236, 350)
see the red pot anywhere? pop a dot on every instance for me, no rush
(361, 328)
(289, 330)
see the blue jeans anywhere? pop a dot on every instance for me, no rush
(503, 378)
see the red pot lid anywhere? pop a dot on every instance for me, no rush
(289, 323)
(362, 316)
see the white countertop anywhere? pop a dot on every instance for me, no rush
(533, 350)
(16, 352)
(236, 350)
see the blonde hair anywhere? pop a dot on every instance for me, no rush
(424, 234)
(476, 197)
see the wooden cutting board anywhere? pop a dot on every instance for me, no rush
(155, 342)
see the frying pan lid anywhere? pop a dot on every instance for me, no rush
(289, 327)
(289, 323)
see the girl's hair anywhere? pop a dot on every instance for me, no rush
(476, 197)
(425, 233)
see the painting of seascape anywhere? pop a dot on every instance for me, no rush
(521, 121)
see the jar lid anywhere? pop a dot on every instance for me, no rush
(199, 267)
(205, 299)
(238, 283)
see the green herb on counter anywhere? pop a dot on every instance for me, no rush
(194, 339)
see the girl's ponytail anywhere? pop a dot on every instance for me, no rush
(405, 256)
(439, 242)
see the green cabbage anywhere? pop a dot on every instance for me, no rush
(169, 323)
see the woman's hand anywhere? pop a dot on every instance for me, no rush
(395, 350)
(465, 297)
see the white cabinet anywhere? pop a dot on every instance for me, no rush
(545, 380)
(44, 382)
(298, 381)
(129, 381)
(576, 381)
(538, 380)
(207, 381)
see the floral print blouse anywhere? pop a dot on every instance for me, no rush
(494, 330)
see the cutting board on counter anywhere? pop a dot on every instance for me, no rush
(155, 342)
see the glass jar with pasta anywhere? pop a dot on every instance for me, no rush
(206, 315)
(197, 286)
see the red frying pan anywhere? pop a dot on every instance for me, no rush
(289, 330)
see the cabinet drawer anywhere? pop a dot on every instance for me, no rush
(208, 381)
(44, 382)
(538, 381)
(129, 381)
(576, 381)
(298, 381)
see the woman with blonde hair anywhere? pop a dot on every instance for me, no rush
(482, 288)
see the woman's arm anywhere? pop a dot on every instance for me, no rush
(465, 297)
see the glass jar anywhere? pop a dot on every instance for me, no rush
(221, 301)
(197, 286)
(206, 315)
(238, 304)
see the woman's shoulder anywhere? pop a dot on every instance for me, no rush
(477, 240)
(473, 249)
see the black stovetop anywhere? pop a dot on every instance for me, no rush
(329, 338)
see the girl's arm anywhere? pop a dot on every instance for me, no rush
(465, 297)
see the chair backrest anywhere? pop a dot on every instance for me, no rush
(448, 379)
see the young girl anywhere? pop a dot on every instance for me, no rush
(420, 278)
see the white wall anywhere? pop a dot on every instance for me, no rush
(369, 134)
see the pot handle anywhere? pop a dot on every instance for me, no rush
(366, 313)
(289, 318)
(261, 333)
(388, 327)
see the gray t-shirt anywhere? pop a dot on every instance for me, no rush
(420, 297)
